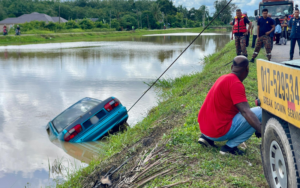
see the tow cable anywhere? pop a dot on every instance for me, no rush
(180, 55)
(105, 180)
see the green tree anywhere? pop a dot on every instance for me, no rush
(115, 24)
(2, 13)
(155, 9)
(226, 15)
(202, 14)
(179, 19)
(167, 6)
(148, 20)
(128, 21)
(143, 13)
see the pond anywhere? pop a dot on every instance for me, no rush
(41, 80)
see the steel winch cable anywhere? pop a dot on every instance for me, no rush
(180, 55)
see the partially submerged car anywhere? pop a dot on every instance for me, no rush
(88, 120)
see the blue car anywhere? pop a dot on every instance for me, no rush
(88, 120)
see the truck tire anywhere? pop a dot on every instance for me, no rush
(277, 156)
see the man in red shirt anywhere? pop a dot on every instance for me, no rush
(225, 113)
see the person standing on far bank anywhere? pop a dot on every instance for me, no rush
(295, 34)
(240, 32)
(265, 26)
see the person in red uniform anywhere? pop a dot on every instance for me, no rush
(240, 31)
(225, 113)
(248, 28)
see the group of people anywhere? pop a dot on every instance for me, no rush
(225, 114)
(264, 29)
(18, 30)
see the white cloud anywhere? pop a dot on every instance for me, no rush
(253, 2)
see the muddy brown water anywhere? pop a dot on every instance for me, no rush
(39, 81)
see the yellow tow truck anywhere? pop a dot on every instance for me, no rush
(279, 98)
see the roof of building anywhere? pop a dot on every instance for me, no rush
(9, 21)
(32, 17)
(94, 19)
(62, 20)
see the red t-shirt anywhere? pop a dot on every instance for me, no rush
(216, 114)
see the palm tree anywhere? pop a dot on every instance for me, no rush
(155, 9)
(203, 13)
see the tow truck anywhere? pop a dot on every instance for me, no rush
(278, 8)
(279, 98)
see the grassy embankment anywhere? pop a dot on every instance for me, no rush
(84, 35)
(175, 120)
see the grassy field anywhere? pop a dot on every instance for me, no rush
(173, 126)
(80, 35)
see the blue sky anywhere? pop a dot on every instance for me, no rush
(245, 5)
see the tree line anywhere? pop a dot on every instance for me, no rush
(119, 14)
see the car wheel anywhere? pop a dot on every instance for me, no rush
(123, 126)
(277, 155)
(119, 128)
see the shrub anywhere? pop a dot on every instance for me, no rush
(99, 24)
(59, 26)
(72, 24)
(51, 26)
(87, 24)
(115, 24)
(159, 25)
(190, 23)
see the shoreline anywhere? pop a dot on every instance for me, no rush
(88, 36)
(172, 125)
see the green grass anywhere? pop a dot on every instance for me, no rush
(179, 104)
(37, 32)
(72, 35)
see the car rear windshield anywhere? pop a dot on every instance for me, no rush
(74, 112)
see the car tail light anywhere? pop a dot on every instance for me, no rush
(72, 133)
(111, 104)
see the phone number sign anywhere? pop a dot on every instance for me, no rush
(278, 90)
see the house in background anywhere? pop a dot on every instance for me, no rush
(92, 19)
(35, 16)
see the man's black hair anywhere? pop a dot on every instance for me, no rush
(244, 63)
(265, 10)
(287, 16)
(238, 10)
(296, 9)
(277, 21)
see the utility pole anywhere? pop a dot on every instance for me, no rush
(148, 21)
(137, 18)
(59, 15)
(141, 20)
(203, 19)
